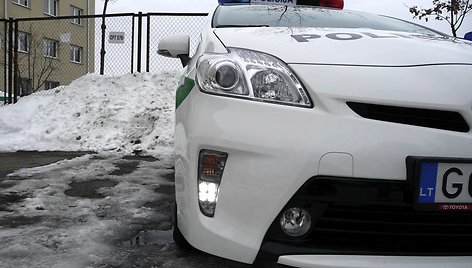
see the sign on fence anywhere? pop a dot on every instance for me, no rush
(117, 38)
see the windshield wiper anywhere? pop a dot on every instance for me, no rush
(240, 25)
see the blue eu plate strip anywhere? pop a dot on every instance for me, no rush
(427, 189)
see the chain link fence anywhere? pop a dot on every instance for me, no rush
(119, 58)
(47, 52)
(52, 52)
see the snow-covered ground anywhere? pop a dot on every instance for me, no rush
(104, 209)
(114, 116)
(51, 227)
(131, 113)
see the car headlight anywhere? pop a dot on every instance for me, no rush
(253, 75)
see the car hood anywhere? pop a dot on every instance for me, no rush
(349, 46)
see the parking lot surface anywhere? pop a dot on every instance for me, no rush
(79, 209)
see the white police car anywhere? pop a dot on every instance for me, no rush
(320, 137)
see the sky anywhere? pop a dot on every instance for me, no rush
(395, 8)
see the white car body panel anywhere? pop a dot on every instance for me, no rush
(272, 182)
(328, 261)
(387, 48)
(273, 149)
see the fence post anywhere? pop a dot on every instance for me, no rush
(16, 86)
(5, 58)
(102, 51)
(104, 27)
(132, 43)
(148, 41)
(140, 41)
(10, 60)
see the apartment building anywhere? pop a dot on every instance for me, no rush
(53, 51)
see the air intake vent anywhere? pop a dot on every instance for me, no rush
(446, 120)
(370, 217)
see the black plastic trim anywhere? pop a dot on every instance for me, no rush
(437, 119)
(357, 216)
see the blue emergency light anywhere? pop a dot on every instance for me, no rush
(468, 36)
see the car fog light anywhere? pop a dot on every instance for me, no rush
(210, 170)
(295, 222)
(207, 197)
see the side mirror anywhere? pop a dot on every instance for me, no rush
(468, 36)
(176, 46)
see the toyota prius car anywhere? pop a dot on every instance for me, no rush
(307, 135)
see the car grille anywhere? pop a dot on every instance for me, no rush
(393, 230)
(373, 217)
(445, 120)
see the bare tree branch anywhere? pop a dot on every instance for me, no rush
(33, 64)
(451, 11)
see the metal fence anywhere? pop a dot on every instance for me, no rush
(42, 53)
(119, 55)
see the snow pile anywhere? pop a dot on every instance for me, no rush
(129, 114)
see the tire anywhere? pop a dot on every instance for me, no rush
(179, 238)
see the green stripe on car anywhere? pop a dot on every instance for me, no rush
(183, 91)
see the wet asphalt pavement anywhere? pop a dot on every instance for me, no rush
(147, 241)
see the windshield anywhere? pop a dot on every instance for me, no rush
(305, 16)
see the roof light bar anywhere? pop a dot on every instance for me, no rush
(332, 3)
(322, 3)
(269, 2)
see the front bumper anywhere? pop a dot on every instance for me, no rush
(353, 261)
(369, 217)
(273, 150)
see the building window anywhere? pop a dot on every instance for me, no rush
(76, 54)
(50, 85)
(21, 2)
(50, 48)
(75, 11)
(50, 7)
(26, 87)
(23, 41)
